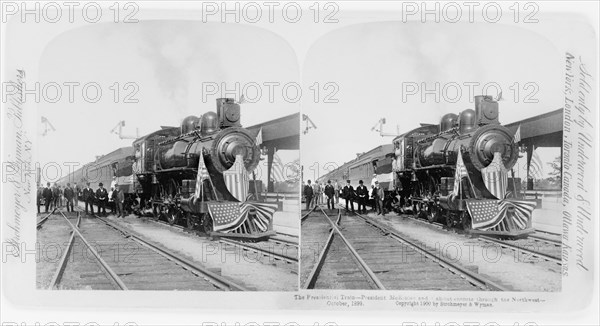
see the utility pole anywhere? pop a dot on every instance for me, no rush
(118, 130)
(309, 124)
(47, 126)
(378, 127)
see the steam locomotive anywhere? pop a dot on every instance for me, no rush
(456, 172)
(195, 174)
(182, 172)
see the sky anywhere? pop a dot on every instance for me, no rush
(361, 72)
(371, 62)
(176, 65)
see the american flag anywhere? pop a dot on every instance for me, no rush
(517, 137)
(225, 215)
(264, 214)
(202, 175)
(488, 213)
(461, 171)
(277, 171)
(495, 177)
(259, 139)
(236, 179)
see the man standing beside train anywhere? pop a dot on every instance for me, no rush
(102, 197)
(119, 199)
(88, 197)
(363, 194)
(348, 193)
(308, 194)
(76, 191)
(68, 193)
(330, 193)
(47, 194)
(380, 194)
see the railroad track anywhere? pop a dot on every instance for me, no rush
(275, 248)
(102, 255)
(358, 252)
(533, 246)
(542, 244)
(272, 249)
(43, 220)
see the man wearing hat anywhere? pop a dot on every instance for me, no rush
(47, 194)
(348, 193)
(308, 194)
(363, 194)
(102, 197)
(68, 193)
(119, 200)
(330, 193)
(88, 197)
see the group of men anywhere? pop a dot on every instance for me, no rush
(56, 196)
(361, 195)
(71, 196)
(316, 193)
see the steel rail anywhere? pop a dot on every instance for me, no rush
(362, 264)
(316, 270)
(546, 240)
(63, 260)
(548, 232)
(113, 276)
(265, 252)
(534, 253)
(45, 218)
(473, 278)
(283, 242)
(308, 213)
(199, 270)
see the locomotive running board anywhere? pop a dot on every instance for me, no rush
(257, 236)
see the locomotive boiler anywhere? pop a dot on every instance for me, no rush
(182, 170)
(456, 172)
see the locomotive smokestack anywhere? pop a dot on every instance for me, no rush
(228, 112)
(486, 110)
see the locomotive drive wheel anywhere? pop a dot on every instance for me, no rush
(156, 212)
(207, 223)
(173, 215)
(423, 209)
(190, 220)
(433, 214)
(465, 220)
(449, 220)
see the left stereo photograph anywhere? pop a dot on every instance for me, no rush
(163, 165)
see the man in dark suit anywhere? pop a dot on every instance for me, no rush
(76, 191)
(55, 195)
(349, 194)
(40, 192)
(88, 197)
(308, 194)
(102, 197)
(330, 193)
(363, 194)
(68, 193)
(47, 194)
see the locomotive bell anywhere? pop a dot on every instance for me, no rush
(209, 123)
